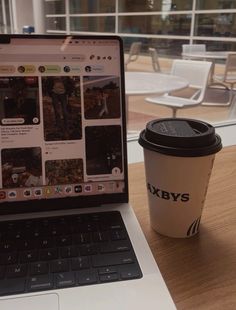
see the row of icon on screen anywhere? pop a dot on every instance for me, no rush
(31, 69)
(55, 191)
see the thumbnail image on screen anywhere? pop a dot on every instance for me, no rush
(61, 108)
(64, 171)
(21, 167)
(101, 97)
(19, 97)
(103, 149)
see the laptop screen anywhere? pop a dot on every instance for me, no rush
(62, 121)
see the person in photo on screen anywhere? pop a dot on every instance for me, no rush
(59, 89)
(103, 102)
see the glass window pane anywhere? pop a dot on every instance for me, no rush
(163, 24)
(215, 5)
(154, 5)
(165, 47)
(218, 46)
(218, 25)
(55, 7)
(7, 7)
(5, 26)
(91, 6)
(93, 24)
(56, 23)
(1, 20)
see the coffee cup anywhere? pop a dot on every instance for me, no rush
(178, 155)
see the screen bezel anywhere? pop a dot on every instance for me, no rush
(67, 203)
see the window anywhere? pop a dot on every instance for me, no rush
(154, 5)
(218, 25)
(55, 7)
(56, 23)
(156, 24)
(5, 25)
(215, 4)
(93, 24)
(164, 46)
(1, 19)
(89, 7)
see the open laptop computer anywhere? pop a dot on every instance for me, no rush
(68, 237)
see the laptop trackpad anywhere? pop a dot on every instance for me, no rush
(38, 302)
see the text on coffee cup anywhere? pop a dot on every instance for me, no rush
(167, 195)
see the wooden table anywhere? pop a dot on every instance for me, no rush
(200, 272)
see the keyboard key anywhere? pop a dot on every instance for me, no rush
(39, 268)
(48, 254)
(80, 263)
(127, 275)
(2, 271)
(46, 243)
(115, 226)
(65, 279)
(29, 256)
(107, 270)
(89, 227)
(36, 234)
(109, 277)
(15, 234)
(81, 238)
(8, 258)
(69, 251)
(118, 235)
(39, 283)
(7, 246)
(88, 249)
(26, 244)
(60, 265)
(130, 272)
(112, 259)
(116, 246)
(86, 277)
(16, 271)
(64, 241)
(12, 286)
(100, 236)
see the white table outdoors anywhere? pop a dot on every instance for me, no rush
(151, 83)
(211, 55)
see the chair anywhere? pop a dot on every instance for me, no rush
(134, 52)
(197, 73)
(225, 83)
(155, 60)
(191, 48)
(229, 76)
(232, 110)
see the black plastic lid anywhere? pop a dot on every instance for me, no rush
(180, 137)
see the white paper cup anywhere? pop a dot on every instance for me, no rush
(177, 177)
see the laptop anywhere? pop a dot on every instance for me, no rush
(68, 237)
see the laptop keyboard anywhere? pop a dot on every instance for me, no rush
(65, 251)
